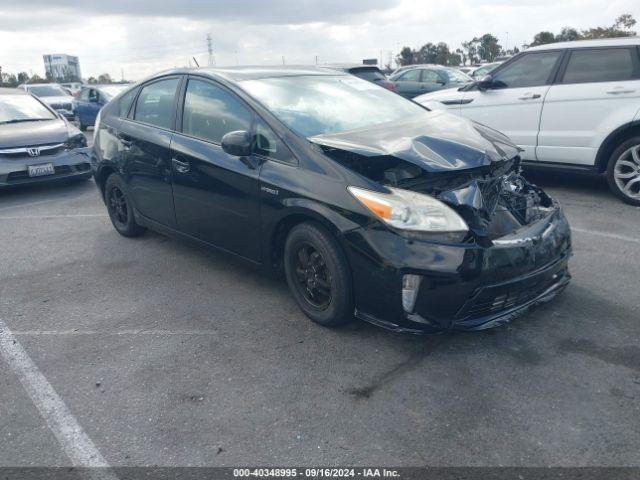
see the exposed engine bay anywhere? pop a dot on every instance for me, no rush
(495, 200)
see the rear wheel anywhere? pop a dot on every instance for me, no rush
(318, 275)
(120, 208)
(623, 171)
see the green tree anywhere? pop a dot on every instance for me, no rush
(23, 77)
(9, 80)
(489, 47)
(104, 78)
(543, 38)
(92, 80)
(625, 22)
(567, 34)
(405, 57)
(471, 49)
(37, 79)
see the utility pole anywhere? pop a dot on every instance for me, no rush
(283, 59)
(210, 49)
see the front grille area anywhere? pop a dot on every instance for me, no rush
(23, 152)
(501, 298)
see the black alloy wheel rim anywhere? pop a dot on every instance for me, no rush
(118, 206)
(313, 276)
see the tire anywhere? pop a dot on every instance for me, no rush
(623, 171)
(120, 208)
(78, 123)
(313, 261)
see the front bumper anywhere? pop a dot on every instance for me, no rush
(66, 164)
(463, 286)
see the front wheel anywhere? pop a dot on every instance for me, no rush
(623, 171)
(318, 275)
(120, 208)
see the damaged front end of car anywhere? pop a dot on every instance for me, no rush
(512, 255)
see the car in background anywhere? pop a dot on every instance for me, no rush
(91, 99)
(72, 87)
(369, 73)
(422, 79)
(369, 204)
(54, 96)
(572, 105)
(36, 145)
(483, 70)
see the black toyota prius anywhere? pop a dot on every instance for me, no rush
(371, 205)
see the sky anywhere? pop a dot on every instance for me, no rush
(136, 38)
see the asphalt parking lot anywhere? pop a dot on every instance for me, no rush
(166, 354)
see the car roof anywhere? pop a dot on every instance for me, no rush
(600, 42)
(12, 91)
(434, 66)
(238, 74)
(345, 67)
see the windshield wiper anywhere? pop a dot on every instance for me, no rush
(21, 120)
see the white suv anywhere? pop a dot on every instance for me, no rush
(571, 104)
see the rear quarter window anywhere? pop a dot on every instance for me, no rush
(602, 65)
(125, 102)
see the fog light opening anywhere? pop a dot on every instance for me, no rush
(410, 287)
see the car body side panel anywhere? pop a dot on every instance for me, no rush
(513, 111)
(216, 199)
(576, 119)
(146, 165)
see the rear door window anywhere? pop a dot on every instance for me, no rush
(411, 76)
(602, 65)
(124, 104)
(155, 103)
(430, 76)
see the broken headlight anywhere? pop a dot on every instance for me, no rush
(412, 212)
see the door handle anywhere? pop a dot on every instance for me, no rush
(529, 96)
(619, 90)
(180, 166)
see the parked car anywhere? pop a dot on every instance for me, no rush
(422, 79)
(573, 104)
(91, 99)
(72, 87)
(371, 204)
(54, 95)
(366, 72)
(36, 145)
(483, 70)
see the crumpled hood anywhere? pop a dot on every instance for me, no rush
(33, 133)
(436, 141)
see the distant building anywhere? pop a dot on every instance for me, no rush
(62, 68)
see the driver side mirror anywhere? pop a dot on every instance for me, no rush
(237, 143)
(485, 82)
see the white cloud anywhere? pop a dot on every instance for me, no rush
(146, 36)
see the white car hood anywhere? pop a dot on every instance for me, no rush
(57, 100)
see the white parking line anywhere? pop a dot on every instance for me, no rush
(613, 236)
(45, 217)
(160, 333)
(76, 444)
